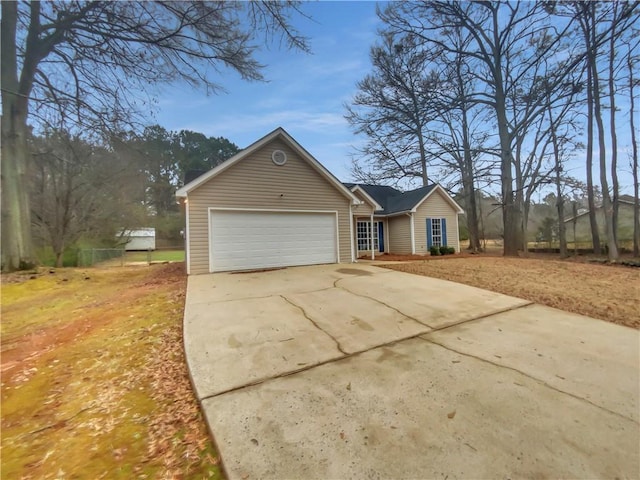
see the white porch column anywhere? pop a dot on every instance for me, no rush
(373, 255)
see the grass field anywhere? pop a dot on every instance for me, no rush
(155, 256)
(94, 382)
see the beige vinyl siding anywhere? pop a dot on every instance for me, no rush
(256, 182)
(399, 234)
(364, 209)
(436, 206)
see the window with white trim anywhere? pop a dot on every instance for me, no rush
(363, 231)
(436, 232)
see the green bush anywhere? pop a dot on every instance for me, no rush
(442, 250)
(434, 250)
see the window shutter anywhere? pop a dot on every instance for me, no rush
(381, 236)
(443, 227)
(429, 238)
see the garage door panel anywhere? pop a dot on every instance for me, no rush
(251, 239)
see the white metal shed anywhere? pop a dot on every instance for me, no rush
(140, 239)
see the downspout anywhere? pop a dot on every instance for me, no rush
(353, 255)
(373, 247)
(413, 234)
(187, 236)
(457, 233)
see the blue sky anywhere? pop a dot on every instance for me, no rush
(304, 93)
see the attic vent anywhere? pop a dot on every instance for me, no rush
(279, 157)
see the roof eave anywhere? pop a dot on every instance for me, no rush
(315, 164)
(459, 210)
(368, 197)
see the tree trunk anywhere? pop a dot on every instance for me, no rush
(575, 224)
(634, 149)
(423, 159)
(612, 126)
(59, 259)
(467, 173)
(16, 219)
(595, 234)
(472, 213)
(607, 205)
(562, 229)
(509, 211)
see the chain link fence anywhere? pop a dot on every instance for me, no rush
(94, 256)
(119, 257)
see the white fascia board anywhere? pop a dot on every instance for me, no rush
(196, 182)
(321, 169)
(447, 197)
(369, 198)
(278, 132)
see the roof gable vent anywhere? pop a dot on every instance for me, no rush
(279, 157)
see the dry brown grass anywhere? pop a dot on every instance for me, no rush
(94, 380)
(608, 292)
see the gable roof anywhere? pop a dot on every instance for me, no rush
(238, 157)
(630, 199)
(394, 201)
(358, 188)
(622, 199)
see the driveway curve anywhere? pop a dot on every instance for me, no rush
(355, 371)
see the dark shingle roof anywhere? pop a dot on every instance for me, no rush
(407, 200)
(391, 199)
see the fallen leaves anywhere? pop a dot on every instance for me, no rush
(177, 433)
(606, 292)
(99, 372)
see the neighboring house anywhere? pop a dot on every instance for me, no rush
(583, 226)
(274, 205)
(140, 239)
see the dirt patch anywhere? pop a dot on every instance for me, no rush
(606, 292)
(94, 380)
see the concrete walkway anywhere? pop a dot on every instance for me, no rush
(354, 371)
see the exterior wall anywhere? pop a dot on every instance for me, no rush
(141, 243)
(436, 206)
(362, 210)
(399, 229)
(256, 182)
(583, 226)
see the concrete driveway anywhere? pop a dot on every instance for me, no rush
(354, 371)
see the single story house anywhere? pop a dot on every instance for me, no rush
(140, 239)
(274, 205)
(579, 227)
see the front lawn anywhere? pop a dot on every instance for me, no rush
(94, 382)
(607, 292)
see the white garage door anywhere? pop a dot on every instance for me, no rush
(243, 240)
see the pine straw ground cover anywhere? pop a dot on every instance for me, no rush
(94, 382)
(607, 292)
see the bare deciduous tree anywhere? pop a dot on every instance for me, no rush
(392, 108)
(86, 56)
